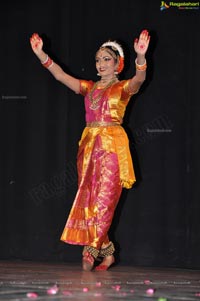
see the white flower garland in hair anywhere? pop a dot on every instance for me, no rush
(115, 45)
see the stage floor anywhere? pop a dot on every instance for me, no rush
(64, 281)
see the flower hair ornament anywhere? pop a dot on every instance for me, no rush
(117, 50)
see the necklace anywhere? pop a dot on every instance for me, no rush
(95, 101)
(105, 80)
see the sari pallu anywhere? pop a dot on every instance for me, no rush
(104, 166)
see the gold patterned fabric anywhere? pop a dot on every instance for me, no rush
(104, 166)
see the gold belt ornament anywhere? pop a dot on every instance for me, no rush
(101, 123)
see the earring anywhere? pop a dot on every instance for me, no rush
(98, 74)
(116, 72)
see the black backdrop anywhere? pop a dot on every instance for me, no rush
(157, 221)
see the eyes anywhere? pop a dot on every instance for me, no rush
(103, 59)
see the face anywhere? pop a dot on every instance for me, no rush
(105, 63)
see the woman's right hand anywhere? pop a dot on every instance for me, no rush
(36, 44)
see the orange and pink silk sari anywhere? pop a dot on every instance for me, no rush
(104, 166)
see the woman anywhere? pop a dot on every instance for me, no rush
(104, 162)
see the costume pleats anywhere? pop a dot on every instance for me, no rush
(104, 167)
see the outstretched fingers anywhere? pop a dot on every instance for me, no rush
(142, 43)
(35, 40)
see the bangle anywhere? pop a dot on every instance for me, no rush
(44, 62)
(48, 63)
(142, 67)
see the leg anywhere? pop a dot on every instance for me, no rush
(89, 256)
(108, 258)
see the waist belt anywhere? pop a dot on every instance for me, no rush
(101, 123)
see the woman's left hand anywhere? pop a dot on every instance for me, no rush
(141, 44)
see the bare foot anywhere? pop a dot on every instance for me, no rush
(87, 261)
(106, 263)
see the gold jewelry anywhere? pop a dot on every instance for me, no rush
(104, 81)
(142, 67)
(93, 251)
(109, 250)
(101, 123)
(47, 63)
(95, 101)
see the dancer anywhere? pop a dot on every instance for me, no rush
(104, 161)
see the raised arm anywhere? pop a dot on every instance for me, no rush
(140, 47)
(68, 80)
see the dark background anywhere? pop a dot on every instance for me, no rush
(157, 222)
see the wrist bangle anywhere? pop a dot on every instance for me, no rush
(43, 62)
(48, 63)
(142, 67)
